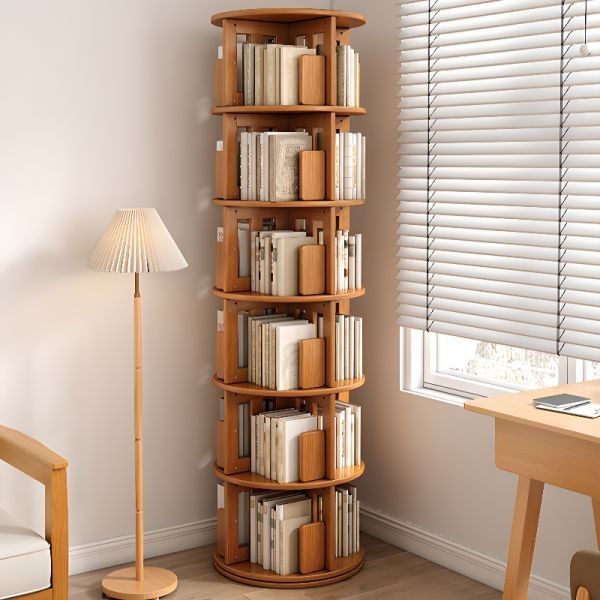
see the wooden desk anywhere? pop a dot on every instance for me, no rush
(541, 447)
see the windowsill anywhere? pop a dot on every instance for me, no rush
(436, 395)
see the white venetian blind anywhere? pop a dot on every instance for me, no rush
(499, 178)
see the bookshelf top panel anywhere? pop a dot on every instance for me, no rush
(251, 389)
(344, 19)
(254, 480)
(290, 108)
(288, 204)
(254, 297)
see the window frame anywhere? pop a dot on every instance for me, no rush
(418, 351)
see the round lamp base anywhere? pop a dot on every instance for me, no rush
(122, 584)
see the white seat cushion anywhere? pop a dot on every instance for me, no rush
(24, 559)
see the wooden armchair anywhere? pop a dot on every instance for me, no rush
(36, 460)
(585, 575)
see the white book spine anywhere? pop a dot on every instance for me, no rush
(346, 259)
(253, 540)
(352, 262)
(337, 166)
(349, 76)
(352, 452)
(355, 163)
(251, 166)
(347, 166)
(359, 170)
(358, 253)
(244, 165)
(357, 436)
(346, 347)
(341, 75)
(351, 328)
(341, 166)
(340, 259)
(363, 168)
(252, 443)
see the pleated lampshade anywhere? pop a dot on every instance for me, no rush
(136, 241)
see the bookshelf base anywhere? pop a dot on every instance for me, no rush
(254, 574)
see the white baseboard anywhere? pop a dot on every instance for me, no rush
(108, 553)
(451, 555)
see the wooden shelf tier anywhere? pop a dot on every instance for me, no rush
(343, 18)
(270, 299)
(260, 482)
(292, 204)
(253, 574)
(290, 108)
(251, 389)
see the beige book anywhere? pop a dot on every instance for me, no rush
(286, 273)
(259, 54)
(289, 543)
(284, 153)
(288, 72)
(287, 353)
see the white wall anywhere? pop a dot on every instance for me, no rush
(106, 104)
(430, 466)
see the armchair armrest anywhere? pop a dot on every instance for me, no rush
(28, 455)
(49, 468)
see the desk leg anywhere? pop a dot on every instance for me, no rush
(596, 507)
(522, 538)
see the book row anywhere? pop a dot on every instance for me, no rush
(268, 74)
(350, 166)
(270, 522)
(348, 76)
(348, 347)
(269, 164)
(272, 259)
(348, 261)
(347, 521)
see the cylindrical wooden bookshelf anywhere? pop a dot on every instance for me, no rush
(328, 28)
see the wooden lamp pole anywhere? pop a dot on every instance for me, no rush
(137, 241)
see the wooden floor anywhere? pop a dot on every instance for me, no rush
(389, 573)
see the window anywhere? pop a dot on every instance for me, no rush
(445, 366)
(499, 192)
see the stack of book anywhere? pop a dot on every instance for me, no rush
(347, 521)
(348, 76)
(269, 164)
(274, 260)
(348, 261)
(350, 167)
(348, 347)
(275, 519)
(347, 435)
(273, 353)
(268, 73)
(275, 442)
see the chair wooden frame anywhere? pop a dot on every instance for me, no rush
(42, 464)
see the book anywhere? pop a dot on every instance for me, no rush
(288, 445)
(561, 401)
(291, 517)
(255, 498)
(248, 51)
(285, 267)
(287, 353)
(284, 151)
(264, 509)
(259, 53)
(588, 410)
(279, 252)
(289, 57)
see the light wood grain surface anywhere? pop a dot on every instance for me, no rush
(518, 407)
(389, 574)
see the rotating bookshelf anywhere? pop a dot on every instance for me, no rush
(316, 297)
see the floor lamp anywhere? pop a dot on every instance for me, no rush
(137, 241)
